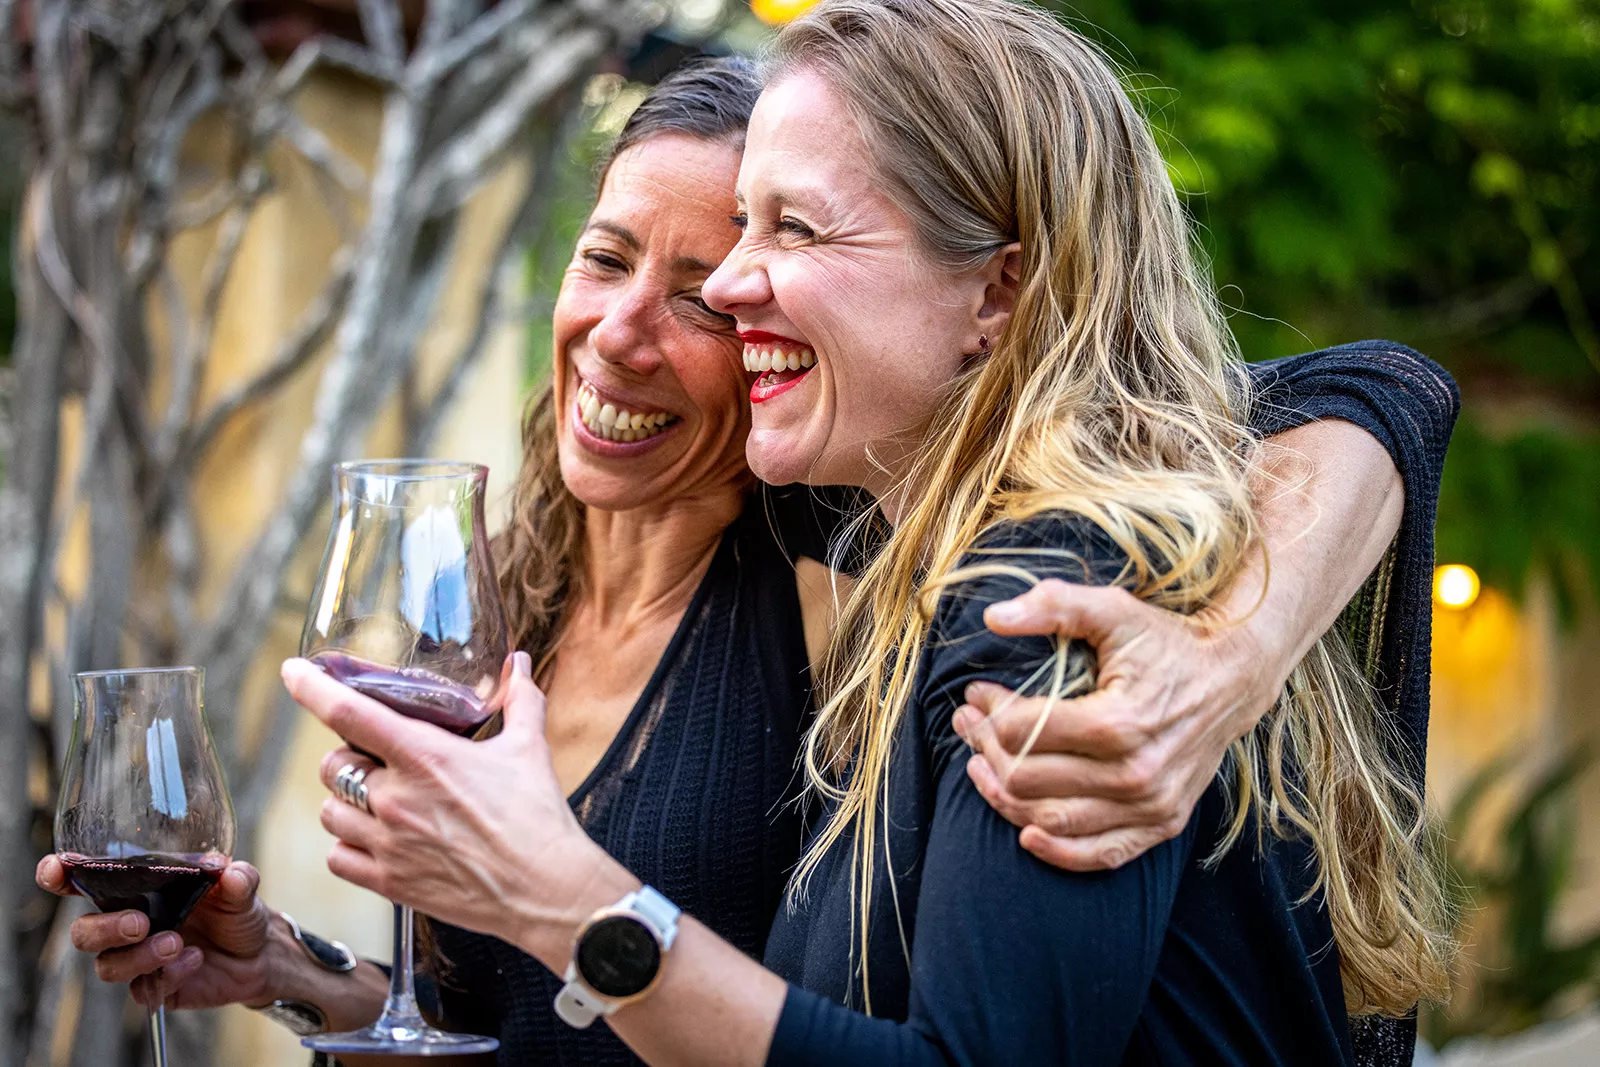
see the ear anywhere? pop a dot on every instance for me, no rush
(1000, 277)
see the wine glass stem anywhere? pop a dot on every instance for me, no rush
(400, 1010)
(158, 1035)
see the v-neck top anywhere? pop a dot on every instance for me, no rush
(690, 796)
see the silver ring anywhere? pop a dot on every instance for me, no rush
(351, 786)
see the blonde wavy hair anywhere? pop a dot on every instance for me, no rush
(1115, 394)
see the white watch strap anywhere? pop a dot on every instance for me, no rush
(577, 1005)
(656, 910)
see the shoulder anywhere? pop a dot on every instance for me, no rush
(1013, 555)
(1006, 561)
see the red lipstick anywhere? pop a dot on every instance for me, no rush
(762, 337)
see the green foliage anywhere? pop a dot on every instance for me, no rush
(1361, 167)
(1533, 975)
(1527, 502)
(1428, 172)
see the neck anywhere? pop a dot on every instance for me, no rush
(649, 561)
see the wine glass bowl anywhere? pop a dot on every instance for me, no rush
(407, 611)
(407, 605)
(144, 820)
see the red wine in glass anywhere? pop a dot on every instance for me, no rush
(407, 610)
(414, 692)
(144, 822)
(165, 888)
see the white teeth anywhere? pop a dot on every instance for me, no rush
(606, 422)
(762, 360)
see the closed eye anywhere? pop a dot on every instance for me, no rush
(605, 261)
(699, 302)
(796, 227)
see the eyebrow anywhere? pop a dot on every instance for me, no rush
(683, 264)
(621, 233)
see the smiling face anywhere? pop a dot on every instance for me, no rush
(829, 270)
(649, 383)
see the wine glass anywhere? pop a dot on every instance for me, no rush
(407, 610)
(144, 821)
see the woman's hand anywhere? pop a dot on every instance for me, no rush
(476, 834)
(216, 957)
(1119, 770)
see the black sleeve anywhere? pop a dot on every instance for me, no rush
(1014, 961)
(1409, 403)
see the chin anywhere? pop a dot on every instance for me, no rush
(600, 489)
(775, 459)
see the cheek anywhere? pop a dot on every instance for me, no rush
(718, 388)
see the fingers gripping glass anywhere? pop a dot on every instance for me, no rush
(407, 610)
(144, 821)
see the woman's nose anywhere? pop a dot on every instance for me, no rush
(625, 334)
(738, 284)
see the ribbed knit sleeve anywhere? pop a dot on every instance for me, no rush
(1409, 403)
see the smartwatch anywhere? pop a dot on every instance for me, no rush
(617, 956)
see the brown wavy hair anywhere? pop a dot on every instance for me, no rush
(541, 552)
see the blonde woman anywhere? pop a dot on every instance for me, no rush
(954, 207)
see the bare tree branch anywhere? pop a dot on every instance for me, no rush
(116, 89)
(320, 152)
(193, 347)
(531, 209)
(457, 169)
(479, 35)
(27, 496)
(292, 353)
(380, 24)
(12, 84)
(332, 52)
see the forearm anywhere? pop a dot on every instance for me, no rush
(714, 1006)
(1329, 505)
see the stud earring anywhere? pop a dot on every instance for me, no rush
(983, 341)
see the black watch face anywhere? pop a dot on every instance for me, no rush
(618, 956)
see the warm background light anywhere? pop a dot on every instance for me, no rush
(777, 12)
(1455, 586)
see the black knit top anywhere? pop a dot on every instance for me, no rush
(691, 795)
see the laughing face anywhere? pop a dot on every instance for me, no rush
(855, 333)
(649, 382)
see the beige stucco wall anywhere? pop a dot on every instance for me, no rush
(281, 267)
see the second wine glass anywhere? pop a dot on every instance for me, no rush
(407, 610)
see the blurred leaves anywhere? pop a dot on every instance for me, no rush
(1526, 502)
(1361, 166)
(1534, 974)
(1428, 172)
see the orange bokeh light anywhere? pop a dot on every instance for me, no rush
(1455, 586)
(777, 12)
